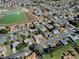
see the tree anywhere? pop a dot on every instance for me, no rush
(76, 47)
(21, 46)
(23, 36)
(5, 43)
(8, 28)
(37, 48)
(3, 31)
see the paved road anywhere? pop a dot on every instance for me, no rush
(18, 53)
(25, 50)
(14, 32)
(61, 36)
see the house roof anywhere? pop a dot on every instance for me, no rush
(3, 48)
(49, 26)
(15, 43)
(42, 28)
(64, 42)
(55, 31)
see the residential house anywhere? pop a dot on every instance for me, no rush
(74, 37)
(38, 38)
(3, 51)
(42, 28)
(48, 34)
(64, 42)
(48, 26)
(28, 41)
(55, 31)
(13, 37)
(33, 30)
(36, 23)
(13, 28)
(40, 21)
(16, 43)
(29, 24)
(25, 33)
(21, 26)
(32, 56)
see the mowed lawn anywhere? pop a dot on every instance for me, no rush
(13, 16)
(59, 52)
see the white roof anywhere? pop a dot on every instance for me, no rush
(15, 43)
(56, 31)
(14, 50)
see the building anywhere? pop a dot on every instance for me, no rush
(75, 2)
(64, 42)
(3, 51)
(14, 46)
(55, 31)
(49, 26)
(38, 38)
(28, 41)
(13, 37)
(42, 28)
(25, 33)
(73, 37)
(47, 34)
(32, 56)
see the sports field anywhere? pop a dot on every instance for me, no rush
(13, 16)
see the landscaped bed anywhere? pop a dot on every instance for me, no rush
(21, 46)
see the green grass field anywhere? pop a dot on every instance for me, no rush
(59, 52)
(12, 17)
